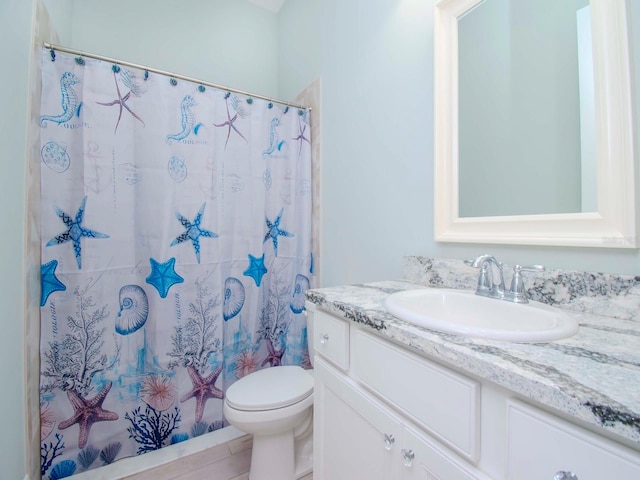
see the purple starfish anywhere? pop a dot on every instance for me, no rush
(302, 127)
(203, 389)
(87, 412)
(274, 357)
(122, 101)
(229, 123)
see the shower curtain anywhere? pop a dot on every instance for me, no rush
(176, 251)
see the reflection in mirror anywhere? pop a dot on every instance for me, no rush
(533, 123)
(520, 108)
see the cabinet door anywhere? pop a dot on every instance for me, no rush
(424, 459)
(354, 438)
(542, 445)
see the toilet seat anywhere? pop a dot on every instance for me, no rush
(270, 389)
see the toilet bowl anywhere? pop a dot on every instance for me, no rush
(276, 406)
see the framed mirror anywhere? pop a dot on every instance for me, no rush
(534, 135)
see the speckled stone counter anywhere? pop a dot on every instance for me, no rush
(593, 376)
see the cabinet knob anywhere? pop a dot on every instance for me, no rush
(388, 441)
(562, 475)
(407, 456)
(324, 338)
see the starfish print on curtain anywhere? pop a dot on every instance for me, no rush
(303, 123)
(87, 412)
(256, 269)
(274, 231)
(193, 231)
(163, 276)
(75, 231)
(49, 281)
(203, 389)
(129, 79)
(241, 112)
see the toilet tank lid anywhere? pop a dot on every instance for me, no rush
(270, 388)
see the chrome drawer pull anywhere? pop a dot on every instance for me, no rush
(562, 475)
(408, 457)
(389, 440)
(324, 339)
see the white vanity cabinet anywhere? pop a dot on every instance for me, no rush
(382, 412)
(358, 435)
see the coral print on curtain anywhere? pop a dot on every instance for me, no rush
(176, 234)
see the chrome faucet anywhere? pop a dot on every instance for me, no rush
(491, 279)
(488, 285)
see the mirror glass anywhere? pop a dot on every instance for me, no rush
(523, 88)
(534, 123)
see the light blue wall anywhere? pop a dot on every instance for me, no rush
(60, 13)
(15, 49)
(375, 58)
(300, 46)
(228, 42)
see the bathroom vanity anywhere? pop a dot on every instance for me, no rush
(396, 401)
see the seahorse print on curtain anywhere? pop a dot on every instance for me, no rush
(175, 242)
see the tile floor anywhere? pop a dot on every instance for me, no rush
(229, 461)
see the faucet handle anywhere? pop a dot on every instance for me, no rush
(480, 261)
(517, 293)
(483, 287)
(532, 268)
(485, 282)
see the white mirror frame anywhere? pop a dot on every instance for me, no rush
(614, 224)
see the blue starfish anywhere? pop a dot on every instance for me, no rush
(256, 269)
(275, 230)
(163, 276)
(75, 231)
(49, 281)
(193, 231)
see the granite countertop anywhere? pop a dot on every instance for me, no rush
(593, 376)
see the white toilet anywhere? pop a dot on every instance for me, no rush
(276, 406)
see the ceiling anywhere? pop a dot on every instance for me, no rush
(271, 5)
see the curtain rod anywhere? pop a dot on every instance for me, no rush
(168, 74)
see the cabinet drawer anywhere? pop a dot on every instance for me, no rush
(540, 444)
(441, 401)
(331, 338)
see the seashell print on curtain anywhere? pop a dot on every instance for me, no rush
(176, 250)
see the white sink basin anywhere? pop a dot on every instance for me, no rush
(462, 312)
